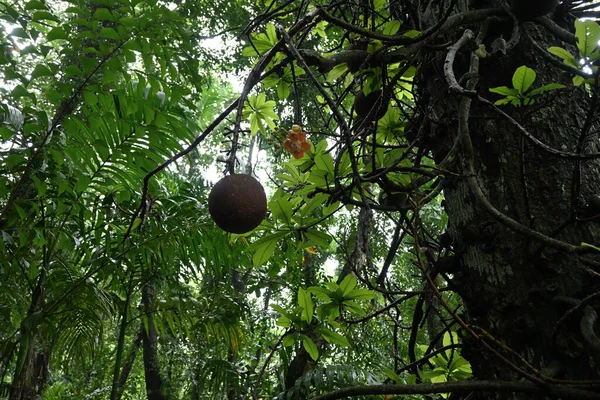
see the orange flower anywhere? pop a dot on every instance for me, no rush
(296, 142)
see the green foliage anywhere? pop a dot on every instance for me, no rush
(260, 111)
(520, 94)
(587, 34)
(449, 365)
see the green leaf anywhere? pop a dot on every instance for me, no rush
(288, 341)
(90, 98)
(41, 70)
(35, 5)
(391, 27)
(333, 337)
(379, 4)
(306, 303)
(449, 338)
(109, 33)
(19, 32)
(73, 70)
(104, 14)
(44, 16)
(336, 72)
(505, 91)
(361, 294)
(348, 284)
(284, 322)
(587, 34)
(57, 33)
(546, 88)
(310, 347)
(523, 78)
(319, 238)
(265, 250)
(282, 208)
(565, 55)
(283, 90)
(320, 293)
(324, 162)
(20, 91)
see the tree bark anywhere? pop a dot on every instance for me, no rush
(31, 372)
(514, 286)
(153, 377)
(129, 363)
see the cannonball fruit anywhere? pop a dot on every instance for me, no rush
(363, 105)
(237, 203)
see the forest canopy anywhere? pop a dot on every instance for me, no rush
(299, 200)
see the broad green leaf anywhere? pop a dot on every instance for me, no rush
(281, 310)
(283, 90)
(505, 91)
(354, 308)
(587, 34)
(523, 78)
(434, 374)
(320, 293)
(284, 322)
(41, 70)
(109, 33)
(324, 162)
(306, 303)
(450, 338)
(264, 250)
(314, 203)
(379, 4)
(361, 294)
(104, 14)
(310, 347)
(19, 32)
(333, 337)
(565, 55)
(44, 16)
(73, 70)
(35, 5)
(336, 72)
(288, 341)
(546, 88)
(90, 98)
(282, 208)
(391, 27)
(348, 284)
(319, 238)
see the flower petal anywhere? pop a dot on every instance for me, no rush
(305, 146)
(302, 136)
(287, 145)
(299, 154)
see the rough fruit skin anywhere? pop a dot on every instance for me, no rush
(237, 203)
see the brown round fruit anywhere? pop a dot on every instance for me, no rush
(363, 105)
(237, 203)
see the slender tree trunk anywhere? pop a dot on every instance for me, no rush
(31, 370)
(154, 382)
(126, 370)
(121, 341)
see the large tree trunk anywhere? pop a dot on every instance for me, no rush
(514, 286)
